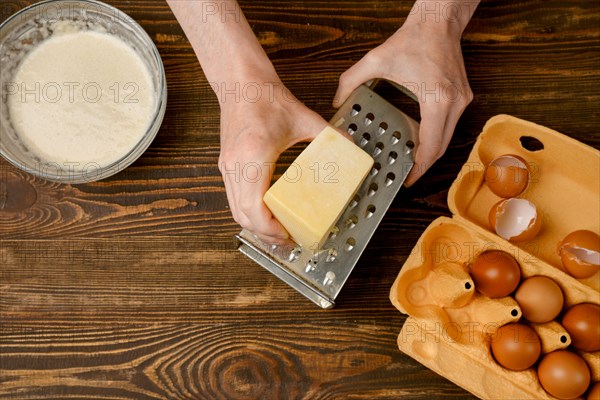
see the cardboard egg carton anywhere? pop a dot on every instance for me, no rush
(450, 324)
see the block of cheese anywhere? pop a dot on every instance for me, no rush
(314, 191)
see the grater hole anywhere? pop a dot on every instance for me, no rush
(369, 119)
(373, 189)
(331, 255)
(354, 201)
(370, 211)
(350, 243)
(410, 145)
(392, 157)
(375, 169)
(295, 254)
(389, 179)
(382, 128)
(355, 110)
(334, 232)
(396, 136)
(351, 221)
(352, 128)
(329, 278)
(310, 266)
(378, 149)
(365, 139)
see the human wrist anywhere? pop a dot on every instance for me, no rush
(250, 82)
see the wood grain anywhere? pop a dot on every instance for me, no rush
(131, 288)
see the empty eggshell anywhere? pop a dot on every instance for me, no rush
(580, 253)
(516, 220)
(507, 175)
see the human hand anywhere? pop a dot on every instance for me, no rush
(426, 58)
(253, 135)
(260, 118)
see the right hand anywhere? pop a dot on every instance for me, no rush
(253, 135)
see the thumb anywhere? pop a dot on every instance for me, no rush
(352, 78)
(312, 125)
(307, 126)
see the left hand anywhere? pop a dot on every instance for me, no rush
(427, 60)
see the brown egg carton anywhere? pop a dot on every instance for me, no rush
(450, 324)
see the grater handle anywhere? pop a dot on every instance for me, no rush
(374, 82)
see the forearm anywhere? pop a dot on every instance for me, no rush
(447, 17)
(223, 41)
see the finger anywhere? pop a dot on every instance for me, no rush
(431, 140)
(276, 241)
(275, 234)
(359, 73)
(306, 126)
(250, 201)
(229, 191)
(264, 223)
(451, 121)
(284, 246)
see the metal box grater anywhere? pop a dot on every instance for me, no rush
(390, 137)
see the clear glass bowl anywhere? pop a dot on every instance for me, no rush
(20, 33)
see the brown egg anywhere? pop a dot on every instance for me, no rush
(507, 175)
(516, 346)
(540, 299)
(594, 393)
(495, 273)
(582, 321)
(564, 374)
(516, 220)
(580, 253)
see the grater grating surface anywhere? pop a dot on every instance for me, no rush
(390, 137)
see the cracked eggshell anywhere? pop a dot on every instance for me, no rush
(516, 220)
(580, 253)
(507, 175)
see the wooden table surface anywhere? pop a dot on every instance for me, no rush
(132, 288)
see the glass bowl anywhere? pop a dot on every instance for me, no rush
(22, 32)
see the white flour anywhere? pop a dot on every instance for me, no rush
(81, 97)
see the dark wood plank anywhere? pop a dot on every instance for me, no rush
(192, 278)
(211, 361)
(132, 287)
(201, 333)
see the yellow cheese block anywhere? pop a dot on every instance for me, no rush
(311, 195)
